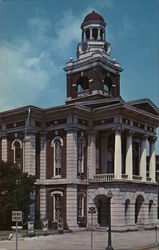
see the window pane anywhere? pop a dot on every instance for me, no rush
(17, 153)
(57, 157)
(57, 206)
(80, 156)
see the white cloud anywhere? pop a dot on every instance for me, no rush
(31, 63)
(105, 3)
(29, 68)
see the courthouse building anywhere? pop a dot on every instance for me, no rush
(93, 144)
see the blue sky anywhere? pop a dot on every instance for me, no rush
(37, 37)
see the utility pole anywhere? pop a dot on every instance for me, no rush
(92, 211)
(109, 247)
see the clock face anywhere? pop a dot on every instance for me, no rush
(84, 47)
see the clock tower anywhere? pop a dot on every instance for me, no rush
(93, 75)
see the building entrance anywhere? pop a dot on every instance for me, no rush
(102, 203)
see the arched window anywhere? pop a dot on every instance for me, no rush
(101, 34)
(139, 210)
(82, 84)
(80, 155)
(80, 207)
(127, 212)
(151, 209)
(17, 154)
(88, 34)
(107, 84)
(95, 33)
(57, 205)
(57, 144)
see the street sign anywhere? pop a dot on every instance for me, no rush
(17, 216)
(92, 210)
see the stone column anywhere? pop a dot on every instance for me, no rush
(99, 34)
(143, 159)
(129, 156)
(103, 35)
(104, 155)
(43, 157)
(42, 202)
(91, 159)
(117, 210)
(91, 37)
(152, 163)
(117, 155)
(4, 149)
(71, 206)
(84, 35)
(29, 154)
(71, 171)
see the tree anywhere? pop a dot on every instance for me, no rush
(15, 193)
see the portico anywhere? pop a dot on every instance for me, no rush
(122, 155)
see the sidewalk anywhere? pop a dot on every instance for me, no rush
(141, 240)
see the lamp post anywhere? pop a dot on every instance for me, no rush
(109, 247)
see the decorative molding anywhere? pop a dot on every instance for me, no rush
(56, 192)
(56, 138)
(14, 141)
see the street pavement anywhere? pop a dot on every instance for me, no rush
(82, 241)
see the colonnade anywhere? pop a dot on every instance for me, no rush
(128, 157)
(91, 34)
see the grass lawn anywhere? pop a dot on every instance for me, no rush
(24, 233)
(7, 233)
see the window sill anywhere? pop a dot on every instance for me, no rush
(57, 177)
(81, 176)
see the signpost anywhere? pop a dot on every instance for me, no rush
(16, 217)
(92, 210)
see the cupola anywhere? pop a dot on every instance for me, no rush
(93, 75)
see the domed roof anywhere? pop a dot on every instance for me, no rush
(93, 16)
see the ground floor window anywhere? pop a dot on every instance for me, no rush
(81, 208)
(139, 209)
(127, 210)
(57, 206)
(151, 209)
(102, 205)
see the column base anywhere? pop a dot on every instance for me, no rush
(109, 248)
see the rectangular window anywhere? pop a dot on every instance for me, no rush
(57, 158)
(57, 207)
(80, 157)
(80, 204)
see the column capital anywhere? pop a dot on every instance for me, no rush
(144, 137)
(152, 139)
(118, 129)
(44, 133)
(130, 132)
(3, 134)
(72, 129)
(92, 132)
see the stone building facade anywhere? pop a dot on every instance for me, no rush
(94, 144)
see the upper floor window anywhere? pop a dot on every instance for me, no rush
(95, 33)
(88, 34)
(82, 84)
(107, 84)
(57, 144)
(17, 154)
(80, 155)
